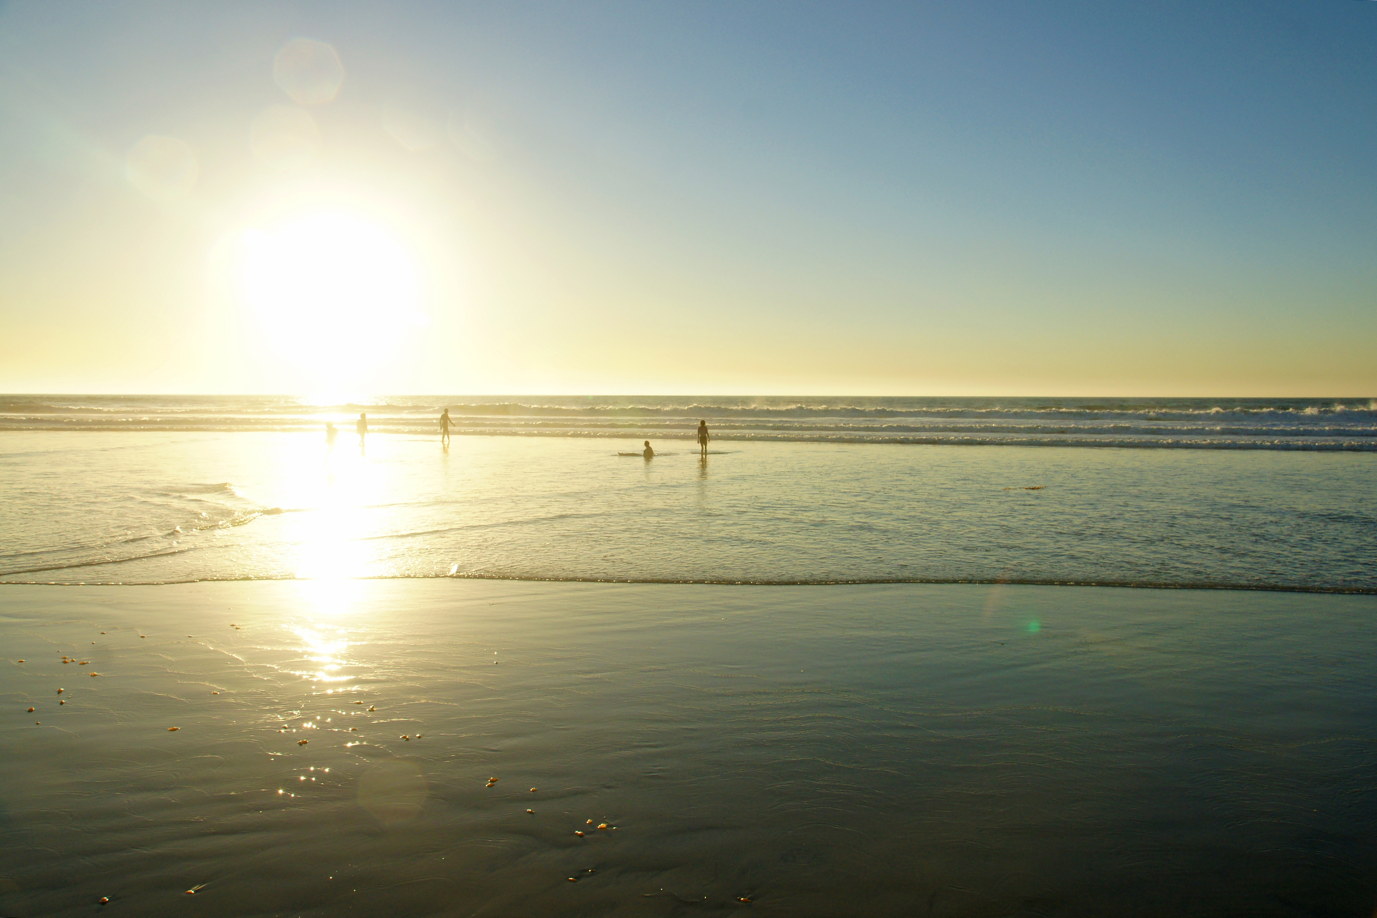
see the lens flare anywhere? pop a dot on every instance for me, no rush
(393, 791)
(308, 71)
(164, 168)
(285, 137)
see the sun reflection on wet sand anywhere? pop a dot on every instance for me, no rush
(326, 652)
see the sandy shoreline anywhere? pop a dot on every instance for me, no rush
(883, 749)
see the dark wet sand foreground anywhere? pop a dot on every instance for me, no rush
(451, 747)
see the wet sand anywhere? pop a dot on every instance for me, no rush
(330, 748)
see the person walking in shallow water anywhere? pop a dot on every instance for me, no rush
(444, 429)
(702, 438)
(648, 453)
(362, 427)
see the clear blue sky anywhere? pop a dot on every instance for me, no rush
(779, 197)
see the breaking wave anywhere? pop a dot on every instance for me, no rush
(1348, 424)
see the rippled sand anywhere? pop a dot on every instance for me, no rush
(474, 748)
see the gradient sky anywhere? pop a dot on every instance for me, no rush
(1059, 197)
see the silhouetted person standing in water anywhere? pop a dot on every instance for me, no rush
(444, 428)
(702, 438)
(649, 453)
(362, 428)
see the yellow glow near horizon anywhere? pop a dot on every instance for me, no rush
(335, 297)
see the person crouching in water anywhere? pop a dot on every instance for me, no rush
(649, 453)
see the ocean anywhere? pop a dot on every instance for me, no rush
(1312, 425)
(1274, 494)
(965, 657)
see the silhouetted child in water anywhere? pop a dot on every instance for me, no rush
(649, 453)
(702, 438)
(444, 428)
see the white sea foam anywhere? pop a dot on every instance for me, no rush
(1266, 424)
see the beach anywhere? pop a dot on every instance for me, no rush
(661, 460)
(524, 675)
(436, 747)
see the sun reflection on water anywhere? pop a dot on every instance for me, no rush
(337, 489)
(333, 493)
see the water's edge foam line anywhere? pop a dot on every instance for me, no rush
(1030, 582)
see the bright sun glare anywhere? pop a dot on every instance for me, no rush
(336, 297)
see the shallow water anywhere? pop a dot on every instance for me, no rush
(877, 750)
(131, 507)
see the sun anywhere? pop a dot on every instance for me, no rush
(335, 297)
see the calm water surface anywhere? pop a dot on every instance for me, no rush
(155, 507)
